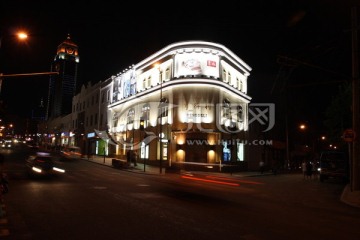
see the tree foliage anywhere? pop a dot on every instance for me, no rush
(338, 115)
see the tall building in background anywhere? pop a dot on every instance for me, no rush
(63, 87)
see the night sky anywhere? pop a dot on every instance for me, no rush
(113, 35)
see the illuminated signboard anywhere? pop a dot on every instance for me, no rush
(196, 64)
(91, 135)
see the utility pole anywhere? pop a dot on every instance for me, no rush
(355, 101)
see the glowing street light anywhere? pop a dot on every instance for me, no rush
(302, 126)
(20, 35)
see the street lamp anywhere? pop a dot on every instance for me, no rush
(20, 35)
(160, 119)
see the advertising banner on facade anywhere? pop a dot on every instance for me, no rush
(196, 64)
(124, 85)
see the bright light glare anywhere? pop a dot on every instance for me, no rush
(22, 35)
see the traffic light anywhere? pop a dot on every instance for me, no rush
(142, 123)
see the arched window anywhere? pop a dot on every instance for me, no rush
(130, 116)
(226, 108)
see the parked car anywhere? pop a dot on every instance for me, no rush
(334, 164)
(42, 164)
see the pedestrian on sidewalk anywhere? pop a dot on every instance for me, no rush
(315, 170)
(2, 160)
(134, 157)
(303, 168)
(128, 156)
(309, 170)
(262, 166)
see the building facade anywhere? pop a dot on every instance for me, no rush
(186, 105)
(63, 86)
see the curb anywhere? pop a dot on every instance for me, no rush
(349, 197)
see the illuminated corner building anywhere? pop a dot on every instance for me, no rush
(191, 100)
(63, 87)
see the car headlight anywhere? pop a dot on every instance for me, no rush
(35, 169)
(58, 169)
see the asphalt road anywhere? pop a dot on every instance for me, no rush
(92, 201)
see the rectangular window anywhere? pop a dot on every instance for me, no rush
(167, 74)
(145, 113)
(224, 75)
(163, 113)
(148, 82)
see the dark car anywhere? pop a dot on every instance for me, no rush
(334, 164)
(42, 164)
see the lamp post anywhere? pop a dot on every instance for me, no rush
(160, 122)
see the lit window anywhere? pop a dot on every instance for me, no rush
(224, 76)
(145, 113)
(167, 74)
(163, 110)
(148, 82)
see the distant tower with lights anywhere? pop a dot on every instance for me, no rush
(63, 87)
